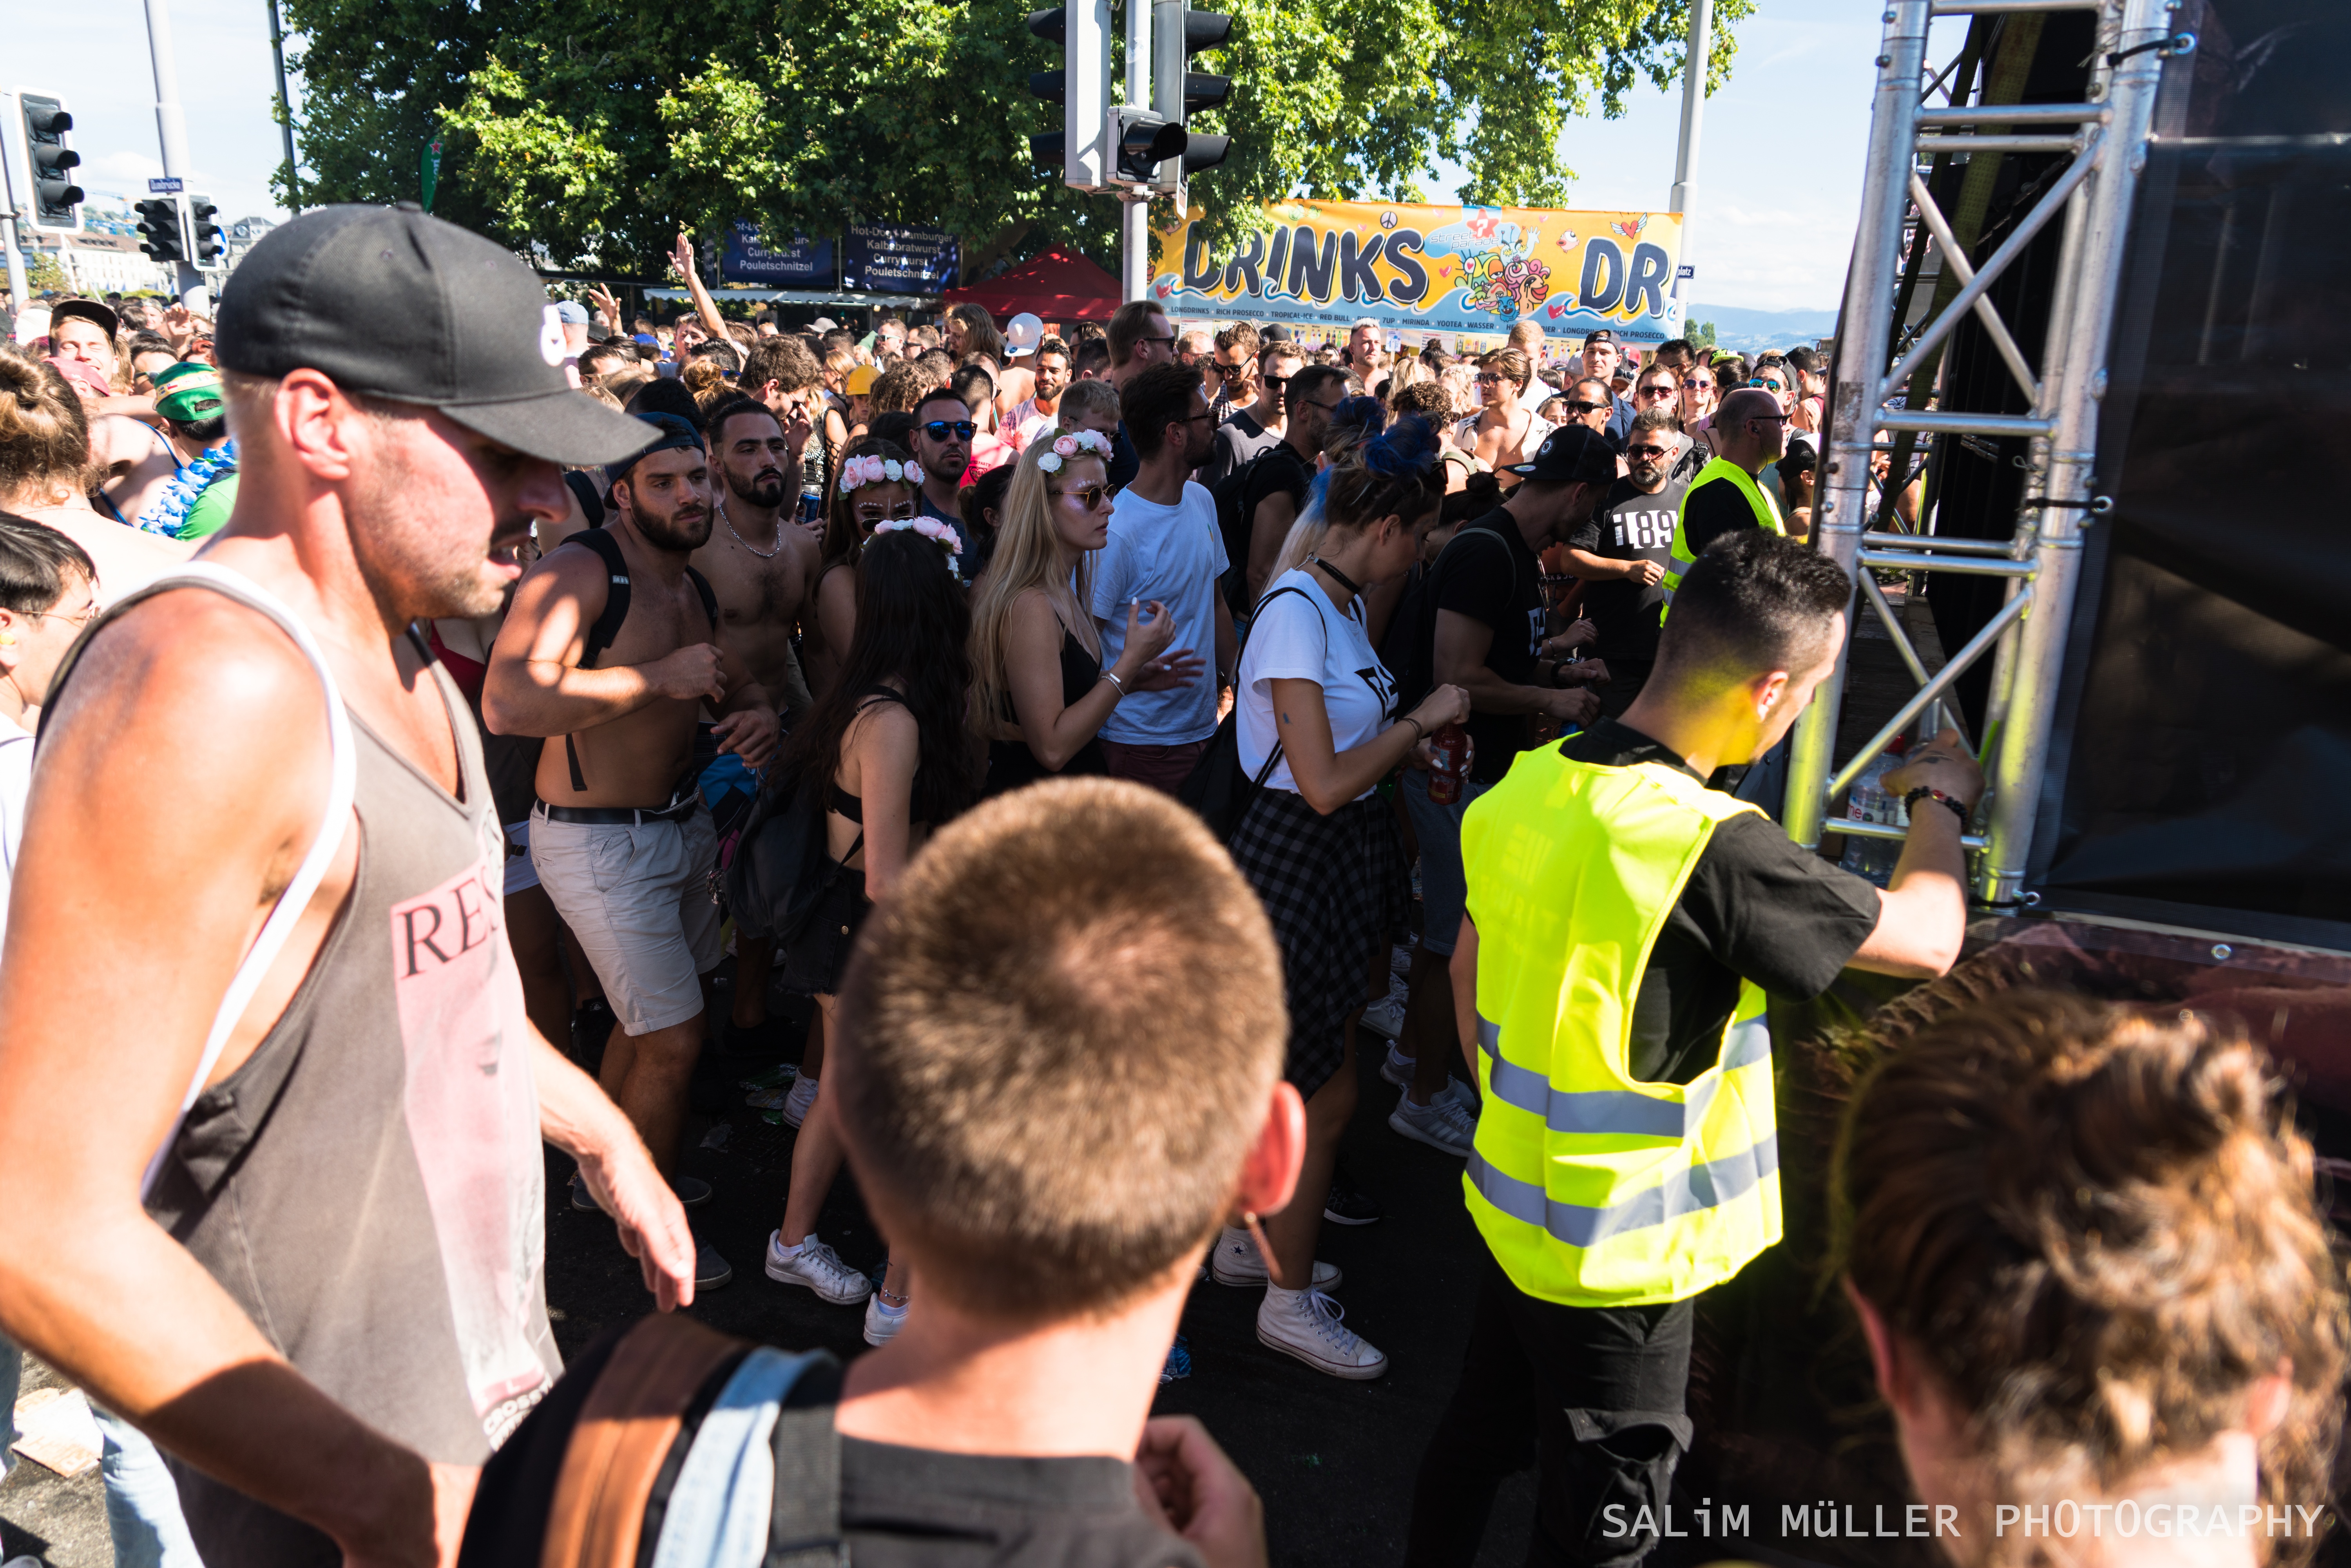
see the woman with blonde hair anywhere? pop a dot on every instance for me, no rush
(1039, 693)
(46, 474)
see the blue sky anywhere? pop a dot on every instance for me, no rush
(1778, 181)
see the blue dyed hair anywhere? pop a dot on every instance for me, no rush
(1395, 473)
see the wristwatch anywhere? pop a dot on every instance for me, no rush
(1910, 803)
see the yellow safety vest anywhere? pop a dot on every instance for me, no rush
(1594, 1189)
(1681, 559)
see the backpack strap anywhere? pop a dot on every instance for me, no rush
(1274, 756)
(709, 599)
(629, 1422)
(804, 1528)
(607, 625)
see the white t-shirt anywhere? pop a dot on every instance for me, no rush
(15, 784)
(1174, 555)
(1303, 637)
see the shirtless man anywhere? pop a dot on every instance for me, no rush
(622, 839)
(760, 564)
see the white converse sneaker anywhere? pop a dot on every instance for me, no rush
(1398, 1068)
(1305, 1324)
(883, 1321)
(1446, 1123)
(1237, 1262)
(817, 1267)
(798, 1103)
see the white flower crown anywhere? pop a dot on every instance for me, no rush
(860, 472)
(1071, 444)
(929, 527)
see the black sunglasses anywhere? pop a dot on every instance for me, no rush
(938, 428)
(1578, 405)
(1644, 451)
(1275, 381)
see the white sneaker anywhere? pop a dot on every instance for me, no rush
(1386, 1015)
(883, 1323)
(1446, 1123)
(817, 1267)
(1400, 961)
(1398, 1068)
(798, 1103)
(1305, 1324)
(1237, 1262)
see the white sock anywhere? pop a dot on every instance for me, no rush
(793, 1251)
(888, 1311)
(1281, 1299)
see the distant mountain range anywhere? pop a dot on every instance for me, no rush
(1750, 332)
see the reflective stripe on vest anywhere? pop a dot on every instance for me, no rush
(1590, 1188)
(1680, 557)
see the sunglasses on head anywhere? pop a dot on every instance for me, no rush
(940, 429)
(1088, 497)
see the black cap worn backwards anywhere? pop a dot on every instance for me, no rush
(1570, 453)
(389, 302)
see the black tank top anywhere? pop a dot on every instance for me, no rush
(1011, 763)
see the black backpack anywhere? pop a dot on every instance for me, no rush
(1235, 520)
(616, 612)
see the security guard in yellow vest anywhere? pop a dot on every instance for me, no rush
(1750, 432)
(1625, 925)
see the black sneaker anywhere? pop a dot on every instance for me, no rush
(1345, 1206)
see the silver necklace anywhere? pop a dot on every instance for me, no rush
(754, 549)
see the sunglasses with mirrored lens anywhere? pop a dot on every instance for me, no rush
(940, 429)
(1088, 497)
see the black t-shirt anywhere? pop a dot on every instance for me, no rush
(1124, 465)
(1755, 907)
(1240, 438)
(1715, 509)
(1630, 525)
(1487, 572)
(913, 1507)
(1278, 470)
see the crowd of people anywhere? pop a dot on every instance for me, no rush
(1416, 697)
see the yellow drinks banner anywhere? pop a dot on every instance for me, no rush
(1446, 269)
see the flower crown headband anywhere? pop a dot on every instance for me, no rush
(860, 472)
(1072, 444)
(930, 529)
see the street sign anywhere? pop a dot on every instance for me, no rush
(169, 187)
(1686, 272)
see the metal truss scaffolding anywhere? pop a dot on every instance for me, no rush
(2092, 198)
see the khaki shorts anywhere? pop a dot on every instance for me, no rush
(638, 897)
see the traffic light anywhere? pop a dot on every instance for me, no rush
(1082, 87)
(1145, 140)
(1177, 32)
(204, 231)
(57, 200)
(159, 229)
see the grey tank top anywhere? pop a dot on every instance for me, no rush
(369, 1187)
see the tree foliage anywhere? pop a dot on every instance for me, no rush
(593, 133)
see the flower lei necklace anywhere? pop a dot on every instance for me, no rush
(1072, 444)
(169, 514)
(860, 472)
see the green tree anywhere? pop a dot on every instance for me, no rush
(1702, 334)
(590, 135)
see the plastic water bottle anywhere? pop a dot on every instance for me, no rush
(1870, 802)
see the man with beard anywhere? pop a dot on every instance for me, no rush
(943, 434)
(287, 997)
(609, 652)
(1164, 546)
(1623, 551)
(759, 564)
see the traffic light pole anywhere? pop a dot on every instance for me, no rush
(1135, 215)
(18, 296)
(171, 130)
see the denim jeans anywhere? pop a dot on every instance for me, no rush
(143, 1501)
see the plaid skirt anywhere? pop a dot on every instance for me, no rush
(1338, 891)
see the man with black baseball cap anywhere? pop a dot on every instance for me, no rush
(270, 1107)
(1485, 631)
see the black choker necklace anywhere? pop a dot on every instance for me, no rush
(1355, 590)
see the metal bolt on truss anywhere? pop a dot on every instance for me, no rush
(2026, 640)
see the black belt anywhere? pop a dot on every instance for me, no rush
(677, 810)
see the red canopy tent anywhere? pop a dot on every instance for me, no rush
(1058, 285)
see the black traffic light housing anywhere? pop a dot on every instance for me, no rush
(159, 229)
(1177, 32)
(57, 200)
(205, 233)
(1144, 142)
